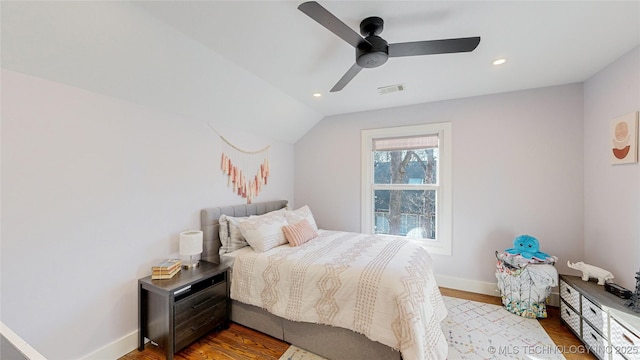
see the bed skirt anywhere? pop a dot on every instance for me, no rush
(327, 341)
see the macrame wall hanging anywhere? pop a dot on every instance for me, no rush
(247, 171)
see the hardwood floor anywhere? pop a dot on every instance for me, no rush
(242, 343)
(237, 342)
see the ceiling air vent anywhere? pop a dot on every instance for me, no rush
(391, 88)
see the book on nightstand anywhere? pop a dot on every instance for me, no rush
(166, 269)
(166, 275)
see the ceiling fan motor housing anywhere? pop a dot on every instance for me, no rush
(376, 54)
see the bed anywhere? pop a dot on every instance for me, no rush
(333, 335)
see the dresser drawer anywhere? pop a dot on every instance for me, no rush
(207, 320)
(624, 341)
(595, 316)
(189, 307)
(570, 317)
(597, 344)
(570, 295)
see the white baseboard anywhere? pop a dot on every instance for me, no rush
(481, 287)
(116, 349)
(475, 286)
(21, 346)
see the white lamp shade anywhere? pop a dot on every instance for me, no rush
(191, 242)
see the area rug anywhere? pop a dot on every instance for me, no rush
(295, 353)
(477, 331)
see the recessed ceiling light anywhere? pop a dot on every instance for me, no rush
(499, 61)
(317, 94)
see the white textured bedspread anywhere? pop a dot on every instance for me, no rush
(381, 287)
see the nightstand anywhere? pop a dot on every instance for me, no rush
(175, 312)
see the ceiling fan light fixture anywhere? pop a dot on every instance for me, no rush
(499, 61)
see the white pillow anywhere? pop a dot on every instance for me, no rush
(303, 213)
(230, 234)
(264, 232)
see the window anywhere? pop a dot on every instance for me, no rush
(406, 184)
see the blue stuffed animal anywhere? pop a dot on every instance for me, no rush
(528, 247)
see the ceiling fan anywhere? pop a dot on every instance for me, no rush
(372, 50)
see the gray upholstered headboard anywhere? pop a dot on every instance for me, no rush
(211, 227)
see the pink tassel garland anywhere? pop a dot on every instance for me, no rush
(237, 180)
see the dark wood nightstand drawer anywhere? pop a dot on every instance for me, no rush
(191, 306)
(207, 320)
(175, 312)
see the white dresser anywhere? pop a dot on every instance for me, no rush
(605, 325)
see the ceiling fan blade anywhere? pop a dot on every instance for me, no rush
(431, 47)
(348, 76)
(332, 23)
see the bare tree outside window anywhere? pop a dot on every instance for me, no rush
(405, 186)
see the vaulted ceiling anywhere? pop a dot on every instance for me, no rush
(258, 63)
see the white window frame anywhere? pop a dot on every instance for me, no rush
(442, 244)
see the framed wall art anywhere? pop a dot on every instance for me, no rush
(624, 139)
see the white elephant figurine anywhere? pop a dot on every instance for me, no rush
(590, 271)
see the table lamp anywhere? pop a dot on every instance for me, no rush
(191, 244)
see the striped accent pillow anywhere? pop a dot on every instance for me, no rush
(299, 233)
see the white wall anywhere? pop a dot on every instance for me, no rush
(119, 49)
(94, 191)
(612, 192)
(517, 169)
